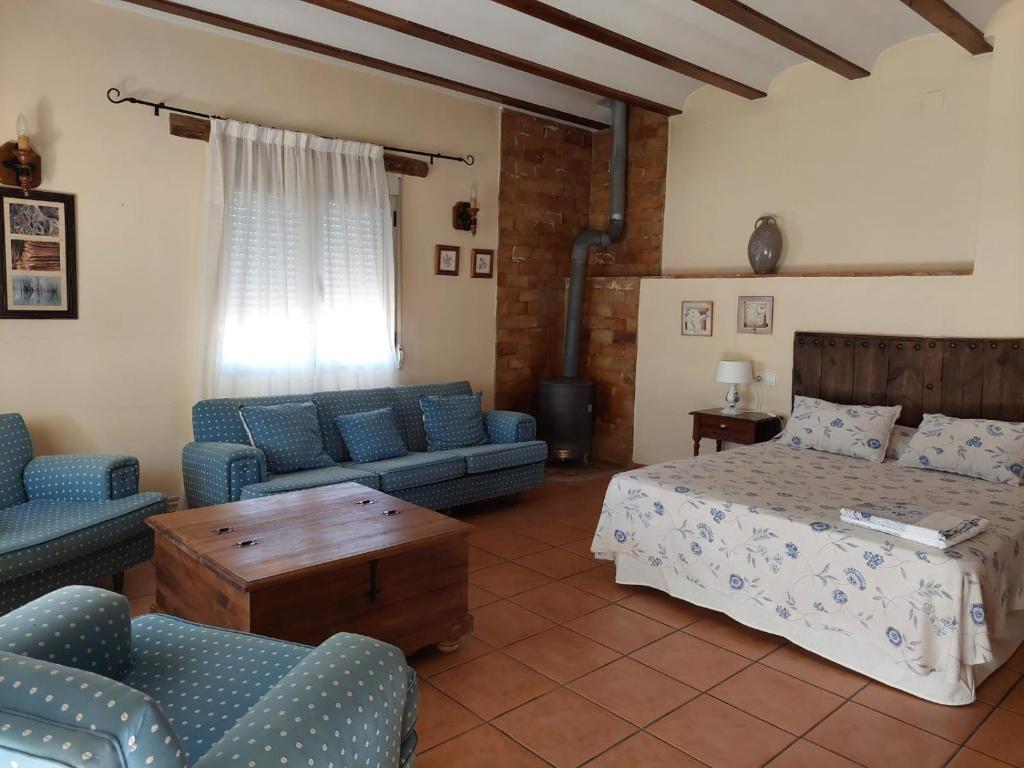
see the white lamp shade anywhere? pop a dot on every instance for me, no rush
(734, 372)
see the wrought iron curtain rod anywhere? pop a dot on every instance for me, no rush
(114, 97)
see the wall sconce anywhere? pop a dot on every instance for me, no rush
(464, 214)
(20, 166)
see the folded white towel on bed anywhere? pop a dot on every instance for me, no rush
(932, 529)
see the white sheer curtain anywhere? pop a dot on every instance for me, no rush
(297, 276)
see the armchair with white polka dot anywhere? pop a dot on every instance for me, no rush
(182, 687)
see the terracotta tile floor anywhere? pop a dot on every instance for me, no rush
(567, 668)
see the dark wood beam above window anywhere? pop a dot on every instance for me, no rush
(436, 36)
(947, 19)
(188, 127)
(605, 36)
(768, 28)
(313, 46)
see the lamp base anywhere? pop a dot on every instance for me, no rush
(732, 400)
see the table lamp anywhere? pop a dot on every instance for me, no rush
(733, 372)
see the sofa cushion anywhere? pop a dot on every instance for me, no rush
(311, 478)
(288, 434)
(487, 458)
(371, 435)
(218, 420)
(331, 405)
(41, 534)
(414, 469)
(455, 421)
(204, 679)
(15, 453)
(410, 417)
(491, 457)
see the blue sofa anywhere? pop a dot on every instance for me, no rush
(222, 466)
(67, 519)
(82, 685)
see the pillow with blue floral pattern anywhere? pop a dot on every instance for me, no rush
(861, 431)
(991, 450)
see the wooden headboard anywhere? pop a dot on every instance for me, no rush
(964, 378)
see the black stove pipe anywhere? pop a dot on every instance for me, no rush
(589, 237)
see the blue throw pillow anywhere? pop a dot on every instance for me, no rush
(453, 421)
(371, 435)
(288, 434)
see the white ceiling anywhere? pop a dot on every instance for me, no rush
(858, 30)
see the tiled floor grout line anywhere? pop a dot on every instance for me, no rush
(644, 729)
(621, 656)
(566, 497)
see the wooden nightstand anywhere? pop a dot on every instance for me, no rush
(744, 428)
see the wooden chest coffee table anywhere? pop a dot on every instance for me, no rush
(301, 566)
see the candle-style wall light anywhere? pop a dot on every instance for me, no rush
(20, 166)
(464, 213)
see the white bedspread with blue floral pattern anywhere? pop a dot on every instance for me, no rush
(760, 525)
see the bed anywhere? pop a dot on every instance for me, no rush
(755, 532)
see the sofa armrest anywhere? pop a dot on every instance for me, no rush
(510, 426)
(83, 627)
(71, 717)
(347, 701)
(81, 477)
(216, 473)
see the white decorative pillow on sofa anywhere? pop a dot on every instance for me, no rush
(861, 431)
(991, 450)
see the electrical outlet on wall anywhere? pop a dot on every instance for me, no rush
(768, 379)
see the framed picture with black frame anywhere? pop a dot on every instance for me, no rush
(38, 276)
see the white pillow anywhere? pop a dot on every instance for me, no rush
(861, 431)
(899, 440)
(991, 450)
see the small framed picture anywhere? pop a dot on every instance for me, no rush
(697, 318)
(446, 260)
(483, 262)
(37, 246)
(754, 314)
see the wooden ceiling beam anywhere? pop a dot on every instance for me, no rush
(567, 21)
(323, 49)
(768, 28)
(437, 37)
(945, 18)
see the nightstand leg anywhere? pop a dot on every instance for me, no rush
(696, 447)
(718, 446)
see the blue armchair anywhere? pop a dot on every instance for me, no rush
(67, 519)
(167, 693)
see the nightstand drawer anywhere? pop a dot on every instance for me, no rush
(745, 427)
(729, 431)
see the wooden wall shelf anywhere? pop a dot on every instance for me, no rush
(952, 272)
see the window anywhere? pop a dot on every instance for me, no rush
(306, 280)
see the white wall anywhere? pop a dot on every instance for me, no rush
(120, 377)
(864, 173)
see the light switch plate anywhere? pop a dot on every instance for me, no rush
(767, 379)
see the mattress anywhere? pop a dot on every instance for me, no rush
(755, 532)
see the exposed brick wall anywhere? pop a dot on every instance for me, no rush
(609, 358)
(544, 202)
(639, 250)
(613, 290)
(554, 183)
